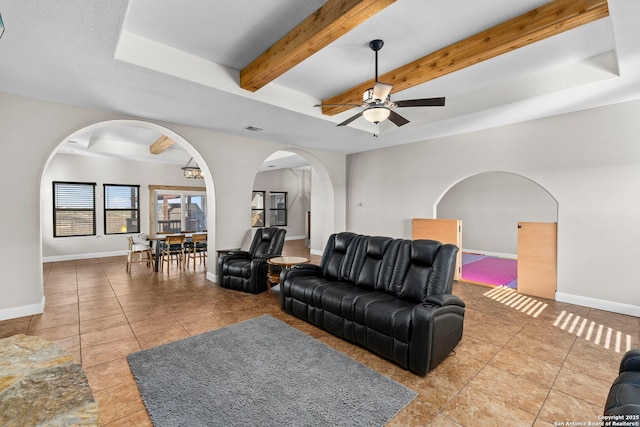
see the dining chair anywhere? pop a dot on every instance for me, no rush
(187, 243)
(198, 249)
(138, 252)
(172, 248)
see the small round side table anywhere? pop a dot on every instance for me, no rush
(285, 262)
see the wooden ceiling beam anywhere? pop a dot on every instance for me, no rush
(331, 21)
(160, 144)
(538, 24)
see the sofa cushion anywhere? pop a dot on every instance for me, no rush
(239, 268)
(267, 241)
(442, 272)
(386, 314)
(415, 275)
(309, 289)
(368, 261)
(340, 299)
(411, 272)
(334, 255)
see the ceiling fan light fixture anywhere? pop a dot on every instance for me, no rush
(376, 114)
(377, 103)
(367, 96)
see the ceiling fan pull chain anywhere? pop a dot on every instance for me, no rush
(376, 129)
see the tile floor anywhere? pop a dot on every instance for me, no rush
(515, 366)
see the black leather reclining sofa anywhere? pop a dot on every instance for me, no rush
(391, 296)
(623, 401)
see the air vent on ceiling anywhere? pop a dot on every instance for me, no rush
(253, 129)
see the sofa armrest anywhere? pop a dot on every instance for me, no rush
(630, 361)
(444, 299)
(265, 257)
(236, 255)
(437, 329)
(307, 267)
(300, 270)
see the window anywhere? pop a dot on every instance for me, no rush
(121, 209)
(278, 211)
(257, 209)
(179, 210)
(74, 209)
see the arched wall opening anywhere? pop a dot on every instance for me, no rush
(310, 197)
(123, 170)
(490, 205)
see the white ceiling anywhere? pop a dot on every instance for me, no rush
(179, 61)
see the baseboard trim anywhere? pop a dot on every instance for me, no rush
(615, 307)
(73, 257)
(493, 254)
(22, 311)
(212, 277)
(294, 238)
(316, 252)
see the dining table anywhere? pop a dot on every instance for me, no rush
(155, 240)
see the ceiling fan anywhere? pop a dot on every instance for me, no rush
(377, 102)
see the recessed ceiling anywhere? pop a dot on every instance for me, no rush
(160, 60)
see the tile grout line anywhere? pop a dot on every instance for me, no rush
(551, 388)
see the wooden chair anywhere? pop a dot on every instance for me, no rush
(142, 251)
(187, 243)
(198, 249)
(173, 248)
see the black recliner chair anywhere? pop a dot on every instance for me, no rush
(247, 270)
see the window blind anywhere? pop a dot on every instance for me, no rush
(74, 211)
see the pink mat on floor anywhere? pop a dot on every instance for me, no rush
(491, 270)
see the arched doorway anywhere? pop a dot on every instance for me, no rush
(301, 180)
(116, 152)
(491, 205)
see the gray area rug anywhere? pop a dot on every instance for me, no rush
(261, 372)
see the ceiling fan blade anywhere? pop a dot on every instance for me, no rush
(426, 102)
(350, 119)
(397, 119)
(381, 90)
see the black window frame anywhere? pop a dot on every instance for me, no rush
(274, 211)
(258, 212)
(135, 210)
(58, 210)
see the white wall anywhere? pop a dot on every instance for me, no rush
(490, 206)
(31, 130)
(588, 161)
(297, 184)
(64, 167)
